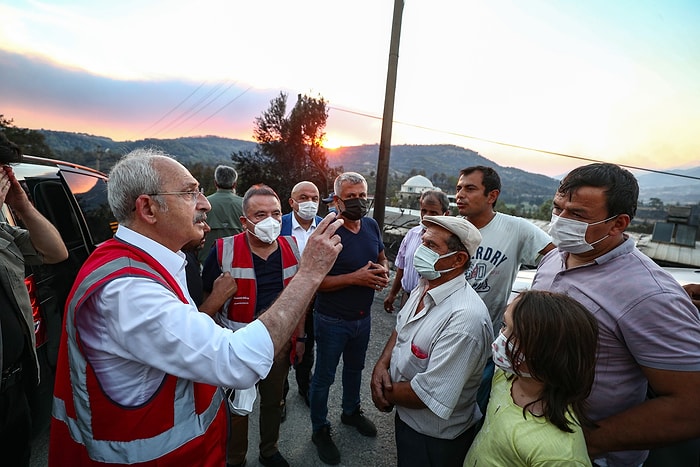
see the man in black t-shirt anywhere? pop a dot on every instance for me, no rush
(342, 319)
(262, 264)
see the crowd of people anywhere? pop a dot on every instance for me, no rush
(198, 304)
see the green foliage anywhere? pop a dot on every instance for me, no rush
(289, 148)
(545, 211)
(30, 141)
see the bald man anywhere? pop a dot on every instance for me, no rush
(300, 224)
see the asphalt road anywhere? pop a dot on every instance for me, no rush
(295, 433)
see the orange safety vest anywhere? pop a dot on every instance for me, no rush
(184, 423)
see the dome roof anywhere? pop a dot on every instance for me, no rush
(419, 181)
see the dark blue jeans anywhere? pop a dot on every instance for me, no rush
(336, 337)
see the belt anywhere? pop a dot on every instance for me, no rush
(11, 376)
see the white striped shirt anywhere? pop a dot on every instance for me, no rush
(442, 351)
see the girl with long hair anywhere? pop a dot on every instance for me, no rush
(545, 358)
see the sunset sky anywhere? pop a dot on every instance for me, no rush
(609, 80)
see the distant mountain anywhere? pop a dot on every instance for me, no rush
(440, 163)
(443, 161)
(204, 149)
(670, 189)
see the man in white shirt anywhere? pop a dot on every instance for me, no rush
(139, 365)
(300, 224)
(431, 366)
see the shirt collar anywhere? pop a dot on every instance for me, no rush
(442, 291)
(172, 261)
(296, 225)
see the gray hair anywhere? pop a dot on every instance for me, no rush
(438, 196)
(225, 177)
(131, 177)
(351, 177)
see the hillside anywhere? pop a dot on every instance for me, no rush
(440, 163)
(208, 150)
(443, 162)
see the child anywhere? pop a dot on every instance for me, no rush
(545, 358)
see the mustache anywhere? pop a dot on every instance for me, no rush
(200, 217)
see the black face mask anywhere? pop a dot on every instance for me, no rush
(355, 208)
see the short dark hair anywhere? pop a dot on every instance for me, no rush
(621, 188)
(490, 178)
(257, 190)
(10, 153)
(557, 337)
(438, 196)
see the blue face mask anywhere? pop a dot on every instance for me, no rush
(424, 260)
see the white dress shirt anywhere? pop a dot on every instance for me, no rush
(134, 331)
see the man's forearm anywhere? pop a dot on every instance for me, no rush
(402, 394)
(44, 236)
(385, 358)
(632, 430)
(333, 283)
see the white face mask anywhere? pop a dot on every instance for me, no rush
(424, 260)
(570, 235)
(267, 230)
(307, 210)
(500, 357)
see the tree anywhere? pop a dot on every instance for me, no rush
(290, 148)
(30, 141)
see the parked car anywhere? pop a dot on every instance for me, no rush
(74, 199)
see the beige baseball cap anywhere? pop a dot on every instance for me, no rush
(462, 228)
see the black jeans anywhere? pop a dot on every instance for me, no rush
(15, 426)
(303, 368)
(415, 449)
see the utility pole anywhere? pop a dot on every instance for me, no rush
(388, 117)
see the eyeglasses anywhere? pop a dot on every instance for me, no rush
(194, 195)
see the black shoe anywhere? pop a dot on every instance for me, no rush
(305, 396)
(275, 460)
(359, 421)
(327, 450)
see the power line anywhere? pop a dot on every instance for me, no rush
(516, 146)
(174, 108)
(221, 108)
(191, 110)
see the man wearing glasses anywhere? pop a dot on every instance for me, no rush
(140, 367)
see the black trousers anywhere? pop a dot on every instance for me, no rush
(15, 426)
(303, 368)
(415, 449)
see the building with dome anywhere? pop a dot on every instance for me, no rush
(409, 194)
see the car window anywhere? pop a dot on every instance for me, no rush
(91, 194)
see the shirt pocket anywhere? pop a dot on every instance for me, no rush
(414, 364)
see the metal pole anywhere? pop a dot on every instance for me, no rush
(388, 117)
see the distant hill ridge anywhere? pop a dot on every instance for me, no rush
(518, 185)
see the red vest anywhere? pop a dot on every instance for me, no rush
(234, 256)
(184, 423)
